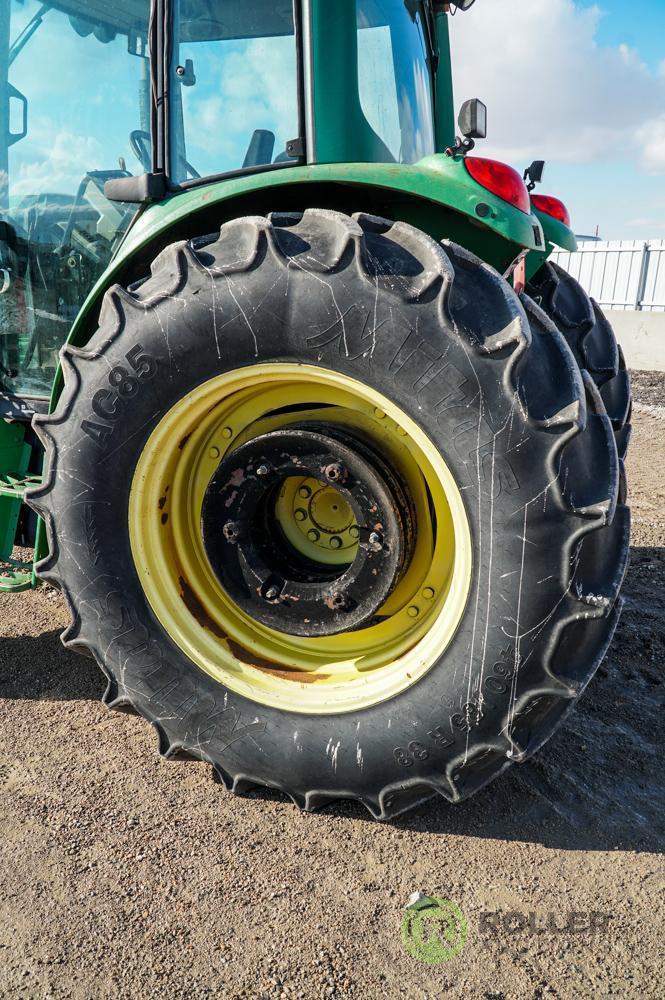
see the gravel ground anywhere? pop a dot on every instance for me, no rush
(122, 876)
(649, 388)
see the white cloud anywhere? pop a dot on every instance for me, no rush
(57, 168)
(552, 90)
(652, 140)
(244, 89)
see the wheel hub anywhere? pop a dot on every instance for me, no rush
(307, 529)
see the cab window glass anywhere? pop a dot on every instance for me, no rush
(394, 76)
(234, 86)
(74, 112)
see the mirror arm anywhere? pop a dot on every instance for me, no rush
(461, 147)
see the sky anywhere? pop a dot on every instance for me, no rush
(581, 85)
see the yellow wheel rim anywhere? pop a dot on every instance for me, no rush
(328, 674)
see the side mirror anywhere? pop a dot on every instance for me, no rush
(534, 173)
(473, 119)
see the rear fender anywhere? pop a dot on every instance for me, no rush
(437, 195)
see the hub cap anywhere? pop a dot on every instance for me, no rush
(272, 557)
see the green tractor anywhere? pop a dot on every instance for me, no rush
(325, 456)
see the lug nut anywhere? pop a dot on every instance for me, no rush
(353, 531)
(263, 470)
(334, 472)
(335, 542)
(271, 593)
(301, 515)
(375, 541)
(304, 492)
(313, 535)
(230, 531)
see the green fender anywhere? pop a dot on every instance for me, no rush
(437, 194)
(557, 234)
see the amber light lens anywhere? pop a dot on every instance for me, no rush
(501, 180)
(551, 206)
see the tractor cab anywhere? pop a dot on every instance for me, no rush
(229, 90)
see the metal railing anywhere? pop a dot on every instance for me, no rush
(621, 274)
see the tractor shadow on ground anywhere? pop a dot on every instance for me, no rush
(38, 667)
(598, 783)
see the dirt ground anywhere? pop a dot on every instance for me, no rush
(123, 876)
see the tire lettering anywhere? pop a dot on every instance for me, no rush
(402, 757)
(418, 750)
(440, 738)
(109, 404)
(105, 404)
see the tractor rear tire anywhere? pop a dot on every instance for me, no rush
(592, 340)
(400, 350)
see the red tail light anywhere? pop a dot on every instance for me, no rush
(551, 206)
(501, 180)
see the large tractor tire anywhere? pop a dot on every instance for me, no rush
(334, 511)
(592, 340)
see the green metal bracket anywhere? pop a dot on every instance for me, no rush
(16, 575)
(15, 452)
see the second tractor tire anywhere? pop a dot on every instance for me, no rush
(592, 340)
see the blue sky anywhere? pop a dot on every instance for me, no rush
(640, 24)
(582, 85)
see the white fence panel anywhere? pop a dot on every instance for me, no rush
(619, 274)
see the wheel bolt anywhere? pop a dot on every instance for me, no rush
(271, 593)
(230, 531)
(414, 611)
(313, 535)
(375, 542)
(353, 531)
(334, 472)
(304, 492)
(263, 470)
(335, 542)
(301, 515)
(428, 593)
